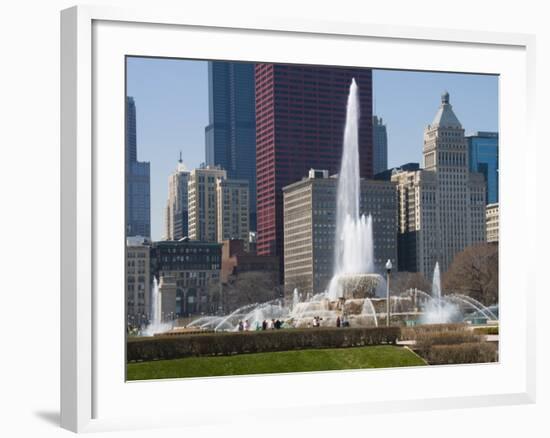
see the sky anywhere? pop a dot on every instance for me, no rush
(171, 97)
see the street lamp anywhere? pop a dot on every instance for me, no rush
(388, 271)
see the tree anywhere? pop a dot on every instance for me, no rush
(474, 272)
(403, 281)
(248, 288)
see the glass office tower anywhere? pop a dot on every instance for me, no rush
(380, 145)
(138, 181)
(230, 136)
(483, 153)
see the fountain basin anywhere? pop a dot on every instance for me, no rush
(350, 286)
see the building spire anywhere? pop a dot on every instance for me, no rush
(445, 116)
(181, 159)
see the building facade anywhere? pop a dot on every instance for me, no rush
(483, 158)
(230, 136)
(492, 222)
(300, 118)
(232, 210)
(442, 206)
(380, 145)
(138, 180)
(236, 260)
(176, 215)
(190, 272)
(310, 226)
(203, 203)
(138, 281)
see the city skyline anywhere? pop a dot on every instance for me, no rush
(172, 111)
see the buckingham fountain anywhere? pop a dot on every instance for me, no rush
(356, 294)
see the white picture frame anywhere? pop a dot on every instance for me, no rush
(92, 41)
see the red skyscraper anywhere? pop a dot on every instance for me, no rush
(300, 117)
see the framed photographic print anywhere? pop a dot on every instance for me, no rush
(321, 212)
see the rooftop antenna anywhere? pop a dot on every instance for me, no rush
(180, 160)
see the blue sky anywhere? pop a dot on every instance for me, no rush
(172, 110)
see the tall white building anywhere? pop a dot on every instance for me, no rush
(442, 206)
(492, 223)
(233, 210)
(203, 203)
(176, 215)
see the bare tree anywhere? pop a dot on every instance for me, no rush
(402, 281)
(248, 288)
(474, 272)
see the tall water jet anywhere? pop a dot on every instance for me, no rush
(156, 325)
(354, 248)
(156, 312)
(438, 310)
(295, 298)
(436, 283)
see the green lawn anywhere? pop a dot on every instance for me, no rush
(381, 356)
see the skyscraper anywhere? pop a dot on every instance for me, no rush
(483, 152)
(231, 132)
(442, 206)
(138, 180)
(176, 217)
(203, 204)
(380, 145)
(233, 213)
(300, 117)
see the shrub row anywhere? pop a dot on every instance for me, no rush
(491, 330)
(472, 352)
(412, 333)
(447, 337)
(228, 343)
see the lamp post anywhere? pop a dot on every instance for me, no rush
(388, 271)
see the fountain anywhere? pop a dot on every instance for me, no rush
(439, 310)
(156, 325)
(295, 298)
(355, 290)
(452, 307)
(354, 248)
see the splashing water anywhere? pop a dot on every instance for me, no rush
(295, 298)
(156, 325)
(354, 249)
(436, 283)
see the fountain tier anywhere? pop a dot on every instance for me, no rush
(350, 286)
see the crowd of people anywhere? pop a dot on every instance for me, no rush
(340, 322)
(266, 324)
(276, 324)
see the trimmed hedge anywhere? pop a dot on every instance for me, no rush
(491, 330)
(472, 352)
(448, 337)
(228, 343)
(413, 333)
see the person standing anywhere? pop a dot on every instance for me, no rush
(338, 322)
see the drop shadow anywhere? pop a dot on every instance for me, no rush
(51, 417)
